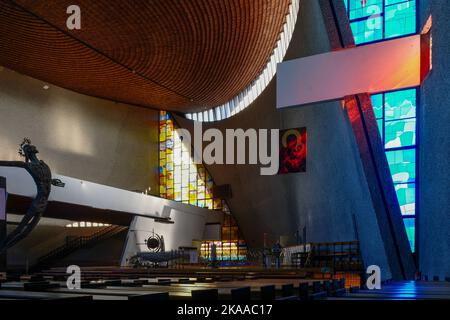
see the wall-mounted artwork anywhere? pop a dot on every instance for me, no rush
(292, 150)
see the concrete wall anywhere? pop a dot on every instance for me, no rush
(434, 148)
(79, 136)
(331, 199)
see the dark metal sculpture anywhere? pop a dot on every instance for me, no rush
(42, 176)
(155, 243)
(154, 259)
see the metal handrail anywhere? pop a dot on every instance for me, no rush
(80, 242)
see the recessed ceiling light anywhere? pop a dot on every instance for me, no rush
(45, 87)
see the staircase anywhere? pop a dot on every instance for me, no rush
(75, 244)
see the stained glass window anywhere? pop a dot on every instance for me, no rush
(180, 179)
(410, 225)
(396, 117)
(374, 20)
(231, 248)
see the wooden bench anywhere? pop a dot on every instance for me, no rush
(241, 294)
(29, 295)
(268, 293)
(205, 295)
(287, 290)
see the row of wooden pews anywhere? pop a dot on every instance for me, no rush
(174, 285)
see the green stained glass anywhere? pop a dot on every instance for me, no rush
(402, 164)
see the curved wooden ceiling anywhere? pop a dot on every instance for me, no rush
(179, 55)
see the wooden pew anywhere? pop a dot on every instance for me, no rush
(241, 294)
(29, 295)
(287, 290)
(118, 294)
(268, 293)
(205, 295)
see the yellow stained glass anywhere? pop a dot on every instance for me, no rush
(185, 193)
(183, 180)
(208, 193)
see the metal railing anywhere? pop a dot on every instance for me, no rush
(74, 244)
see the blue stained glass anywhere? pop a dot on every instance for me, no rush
(400, 104)
(373, 20)
(367, 30)
(400, 133)
(406, 195)
(365, 8)
(391, 2)
(400, 19)
(377, 103)
(403, 165)
(410, 231)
